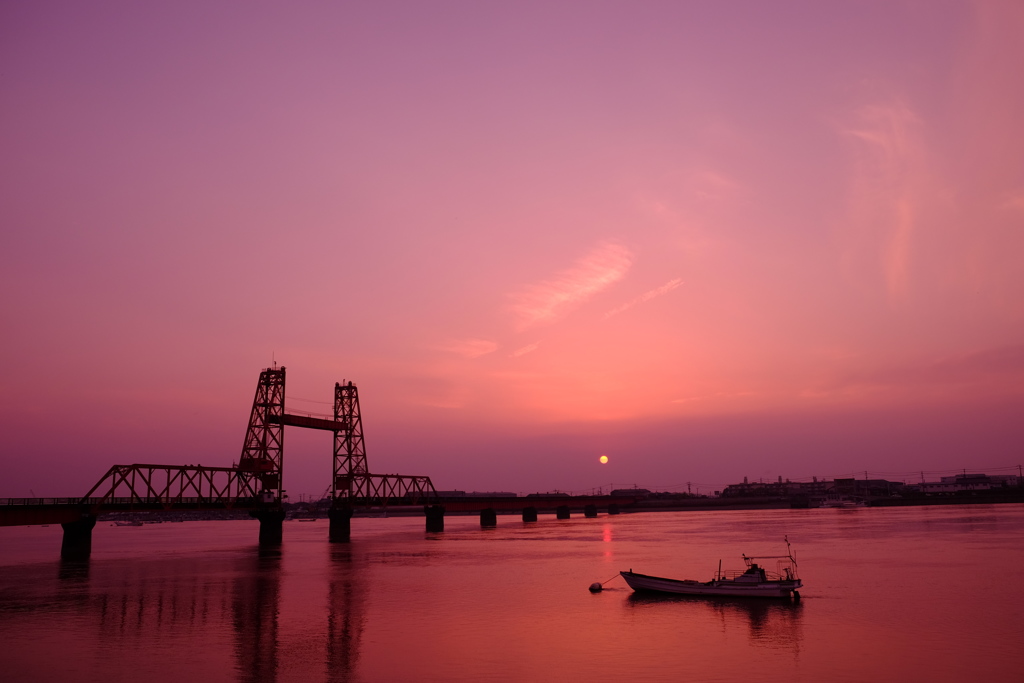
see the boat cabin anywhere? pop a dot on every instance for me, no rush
(753, 573)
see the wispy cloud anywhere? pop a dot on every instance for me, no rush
(647, 296)
(712, 397)
(549, 300)
(1002, 365)
(712, 185)
(525, 350)
(469, 348)
(1015, 203)
(992, 372)
(889, 175)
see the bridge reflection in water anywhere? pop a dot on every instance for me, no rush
(188, 618)
(345, 615)
(255, 606)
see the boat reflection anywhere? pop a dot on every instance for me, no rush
(771, 623)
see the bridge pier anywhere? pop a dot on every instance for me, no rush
(435, 518)
(562, 512)
(530, 514)
(613, 508)
(488, 518)
(271, 525)
(341, 524)
(590, 511)
(77, 541)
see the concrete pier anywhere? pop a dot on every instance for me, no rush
(529, 514)
(488, 518)
(340, 530)
(77, 541)
(613, 508)
(435, 518)
(590, 511)
(271, 525)
(562, 512)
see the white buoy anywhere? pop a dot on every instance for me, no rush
(596, 587)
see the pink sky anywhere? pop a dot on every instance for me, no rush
(710, 240)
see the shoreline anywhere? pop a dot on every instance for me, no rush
(655, 505)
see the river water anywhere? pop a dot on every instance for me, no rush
(890, 594)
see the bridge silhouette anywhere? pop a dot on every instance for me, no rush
(254, 483)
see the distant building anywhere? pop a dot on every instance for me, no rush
(961, 483)
(815, 490)
(762, 488)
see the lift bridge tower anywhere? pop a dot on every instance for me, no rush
(263, 449)
(352, 484)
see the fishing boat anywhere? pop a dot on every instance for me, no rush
(754, 581)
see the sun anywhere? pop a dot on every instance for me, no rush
(603, 459)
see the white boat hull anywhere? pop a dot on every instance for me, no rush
(763, 589)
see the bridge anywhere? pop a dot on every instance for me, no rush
(254, 483)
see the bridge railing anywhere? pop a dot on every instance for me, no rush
(129, 500)
(385, 489)
(42, 501)
(175, 483)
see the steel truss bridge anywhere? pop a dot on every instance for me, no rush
(254, 483)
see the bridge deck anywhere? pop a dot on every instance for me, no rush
(541, 503)
(29, 511)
